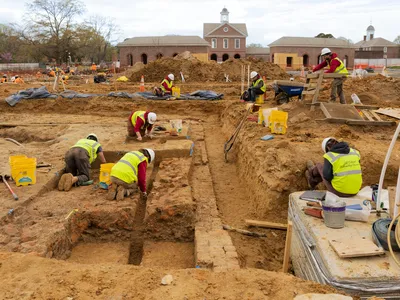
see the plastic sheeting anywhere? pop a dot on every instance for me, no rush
(69, 94)
(32, 93)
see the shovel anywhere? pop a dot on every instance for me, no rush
(4, 179)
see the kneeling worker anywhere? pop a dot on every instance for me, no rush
(78, 160)
(129, 173)
(140, 123)
(258, 86)
(341, 170)
(166, 86)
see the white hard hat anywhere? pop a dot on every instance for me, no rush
(325, 142)
(151, 153)
(253, 74)
(325, 51)
(152, 117)
(171, 76)
(93, 135)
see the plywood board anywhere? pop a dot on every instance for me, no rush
(391, 112)
(355, 247)
(265, 224)
(340, 111)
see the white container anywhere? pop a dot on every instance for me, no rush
(355, 99)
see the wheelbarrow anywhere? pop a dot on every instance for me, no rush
(285, 89)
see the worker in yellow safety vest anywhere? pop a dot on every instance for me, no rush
(78, 160)
(335, 65)
(166, 86)
(140, 123)
(341, 170)
(129, 173)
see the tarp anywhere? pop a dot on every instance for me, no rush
(32, 93)
(69, 94)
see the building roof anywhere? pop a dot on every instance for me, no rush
(225, 10)
(291, 41)
(257, 50)
(210, 27)
(376, 42)
(168, 40)
(370, 27)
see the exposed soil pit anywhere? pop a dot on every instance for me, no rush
(28, 134)
(100, 253)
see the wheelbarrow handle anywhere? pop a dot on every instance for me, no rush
(9, 188)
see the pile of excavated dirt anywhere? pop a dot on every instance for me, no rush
(196, 70)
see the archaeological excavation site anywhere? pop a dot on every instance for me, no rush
(223, 216)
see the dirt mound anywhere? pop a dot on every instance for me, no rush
(196, 70)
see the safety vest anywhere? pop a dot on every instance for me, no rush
(263, 88)
(341, 69)
(3, 80)
(347, 178)
(90, 146)
(169, 84)
(138, 114)
(126, 168)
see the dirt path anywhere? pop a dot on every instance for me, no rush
(233, 203)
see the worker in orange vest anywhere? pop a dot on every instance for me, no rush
(94, 68)
(18, 79)
(4, 78)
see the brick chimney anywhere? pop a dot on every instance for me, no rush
(365, 38)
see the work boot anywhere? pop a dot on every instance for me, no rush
(112, 192)
(121, 193)
(310, 165)
(61, 182)
(68, 181)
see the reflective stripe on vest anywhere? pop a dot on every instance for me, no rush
(126, 169)
(169, 84)
(90, 146)
(347, 174)
(263, 88)
(138, 114)
(341, 68)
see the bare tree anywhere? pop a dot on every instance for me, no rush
(397, 40)
(349, 41)
(51, 23)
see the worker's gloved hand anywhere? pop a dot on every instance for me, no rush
(139, 138)
(144, 196)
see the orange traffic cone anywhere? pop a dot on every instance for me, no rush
(141, 88)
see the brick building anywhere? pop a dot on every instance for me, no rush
(294, 52)
(258, 52)
(227, 40)
(372, 47)
(150, 48)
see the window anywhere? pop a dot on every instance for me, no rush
(226, 29)
(289, 61)
(237, 43)
(213, 43)
(225, 43)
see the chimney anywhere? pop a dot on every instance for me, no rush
(365, 38)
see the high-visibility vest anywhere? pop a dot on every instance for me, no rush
(347, 177)
(263, 88)
(138, 114)
(169, 84)
(126, 168)
(90, 146)
(341, 68)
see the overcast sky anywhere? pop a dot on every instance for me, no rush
(266, 20)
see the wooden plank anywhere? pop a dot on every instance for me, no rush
(375, 115)
(265, 224)
(325, 111)
(391, 112)
(343, 111)
(392, 196)
(308, 92)
(327, 75)
(367, 114)
(355, 247)
(370, 123)
(319, 82)
(288, 245)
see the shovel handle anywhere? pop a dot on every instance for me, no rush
(10, 189)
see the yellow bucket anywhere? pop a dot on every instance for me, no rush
(278, 121)
(105, 171)
(23, 170)
(260, 99)
(176, 92)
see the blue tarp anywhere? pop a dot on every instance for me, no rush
(72, 94)
(32, 93)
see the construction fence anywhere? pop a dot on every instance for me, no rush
(19, 66)
(377, 63)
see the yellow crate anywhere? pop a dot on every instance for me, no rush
(176, 92)
(278, 121)
(105, 170)
(23, 170)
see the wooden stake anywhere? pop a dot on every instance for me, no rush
(288, 243)
(265, 224)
